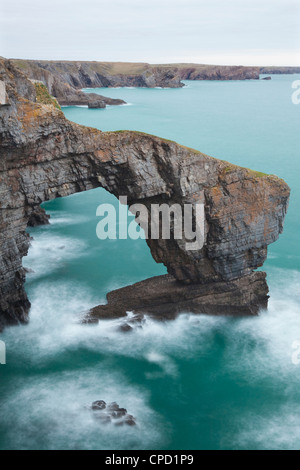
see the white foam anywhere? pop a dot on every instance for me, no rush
(167, 365)
(48, 252)
(52, 412)
(53, 405)
(64, 218)
(74, 106)
(277, 431)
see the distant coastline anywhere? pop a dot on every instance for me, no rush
(66, 79)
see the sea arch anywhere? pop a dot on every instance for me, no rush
(44, 156)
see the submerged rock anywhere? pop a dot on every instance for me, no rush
(129, 421)
(112, 413)
(103, 417)
(96, 104)
(38, 217)
(125, 328)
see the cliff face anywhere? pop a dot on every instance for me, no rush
(44, 156)
(279, 70)
(216, 72)
(101, 74)
(60, 84)
(64, 78)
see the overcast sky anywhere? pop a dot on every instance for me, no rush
(248, 32)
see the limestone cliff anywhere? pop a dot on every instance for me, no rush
(216, 72)
(64, 79)
(61, 86)
(45, 156)
(79, 75)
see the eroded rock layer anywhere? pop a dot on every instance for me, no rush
(164, 298)
(45, 156)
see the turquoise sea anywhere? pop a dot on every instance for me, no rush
(198, 382)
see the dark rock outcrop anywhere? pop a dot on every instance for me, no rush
(64, 88)
(164, 298)
(98, 405)
(45, 156)
(112, 413)
(38, 217)
(96, 104)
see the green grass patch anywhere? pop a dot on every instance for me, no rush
(43, 96)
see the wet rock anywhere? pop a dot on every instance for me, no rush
(115, 410)
(38, 217)
(125, 328)
(103, 417)
(130, 420)
(96, 104)
(113, 406)
(138, 319)
(112, 413)
(89, 321)
(164, 298)
(99, 405)
(118, 413)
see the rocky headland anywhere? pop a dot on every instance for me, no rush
(279, 70)
(78, 75)
(65, 79)
(61, 85)
(45, 156)
(112, 413)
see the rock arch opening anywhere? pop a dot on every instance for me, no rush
(68, 251)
